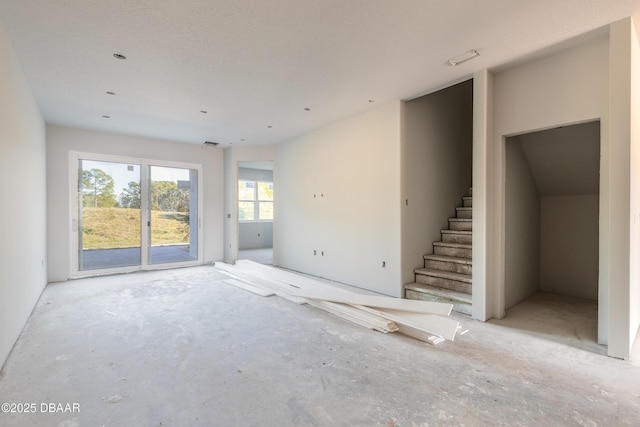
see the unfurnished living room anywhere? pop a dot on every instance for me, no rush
(319, 213)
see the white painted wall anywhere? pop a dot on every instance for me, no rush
(62, 140)
(233, 155)
(437, 132)
(255, 174)
(634, 282)
(565, 88)
(569, 245)
(522, 227)
(23, 256)
(341, 196)
(624, 293)
(487, 295)
(255, 235)
(568, 87)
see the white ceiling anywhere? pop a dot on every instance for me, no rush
(252, 64)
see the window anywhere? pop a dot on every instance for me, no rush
(132, 214)
(255, 201)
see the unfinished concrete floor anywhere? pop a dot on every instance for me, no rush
(181, 348)
(262, 255)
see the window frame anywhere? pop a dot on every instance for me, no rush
(144, 164)
(256, 201)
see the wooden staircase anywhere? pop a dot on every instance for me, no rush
(446, 276)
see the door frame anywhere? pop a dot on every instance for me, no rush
(74, 157)
(239, 166)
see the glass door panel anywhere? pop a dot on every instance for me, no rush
(108, 215)
(173, 214)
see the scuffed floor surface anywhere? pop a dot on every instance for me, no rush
(181, 348)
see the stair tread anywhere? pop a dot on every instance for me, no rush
(467, 198)
(465, 232)
(434, 290)
(453, 245)
(466, 278)
(448, 258)
(461, 219)
(464, 208)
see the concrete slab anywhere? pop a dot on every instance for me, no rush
(180, 347)
(125, 257)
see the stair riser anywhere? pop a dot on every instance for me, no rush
(467, 203)
(457, 252)
(463, 214)
(457, 238)
(460, 225)
(444, 283)
(454, 267)
(458, 306)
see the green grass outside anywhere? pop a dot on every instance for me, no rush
(110, 228)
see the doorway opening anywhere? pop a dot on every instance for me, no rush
(552, 232)
(255, 211)
(132, 214)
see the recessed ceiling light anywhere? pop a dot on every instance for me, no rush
(119, 56)
(110, 93)
(106, 117)
(468, 55)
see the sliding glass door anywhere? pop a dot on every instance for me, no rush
(132, 214)
(173, 213)
(108, 215)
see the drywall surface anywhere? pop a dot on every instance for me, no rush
(486, 294)
(255, 174)
(522, 227)
(565, 88)
(23, 257)
(568, 87)
(569, 245)
(437, 132)
(621, 175)
(255, 235)
(338, 201)
(634, 140)
(565, 161)
(233, 156)
(62, 140)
